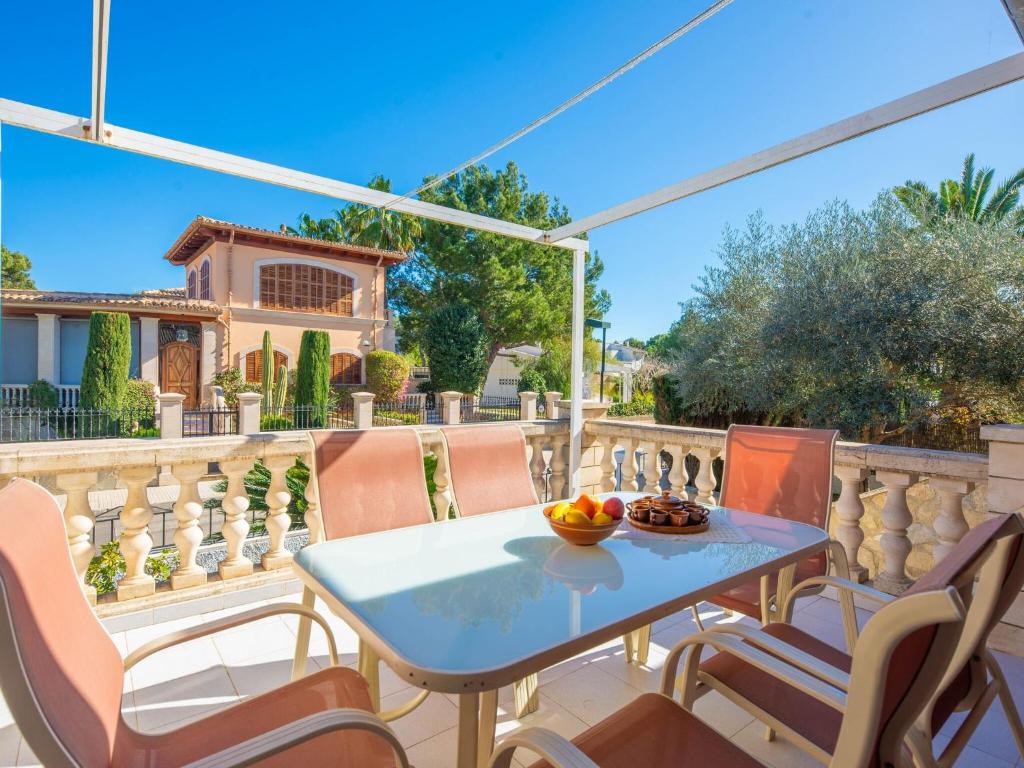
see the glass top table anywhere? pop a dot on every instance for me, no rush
(477, 603)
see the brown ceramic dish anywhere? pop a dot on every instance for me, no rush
(668, 514)
(583, 535)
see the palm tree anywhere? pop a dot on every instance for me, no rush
(379, 227)
(332, 228)
(965, 199)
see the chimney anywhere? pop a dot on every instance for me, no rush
(284, 229)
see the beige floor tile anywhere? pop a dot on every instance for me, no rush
(777, 754)
(10, 741)
(436, 752)
(434, 716)
(721, 714)
(973, 757)
(549, 714)
(645, 677)
(258, 639)
(590, 693)
(263, 673)
(26, 757)
(183, 698)
(175, 662)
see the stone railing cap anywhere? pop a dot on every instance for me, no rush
(1003, 433)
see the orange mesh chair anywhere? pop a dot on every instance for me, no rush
(63, 678)
(894, 673)
(365, 481)
(488, 469)
(987, 566)
(778, 472)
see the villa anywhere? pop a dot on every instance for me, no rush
(238, 281)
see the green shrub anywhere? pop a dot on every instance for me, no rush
(386, 373)
(139, 395)
(107, 361)
(108, 567)
(668, 406)
(231, 383)
(398, 416)
(271, 422)
(313, 380)
(146, 432)
(531, 380)
(456, 345)
(42, 394)
(426, 387)
(257, 482)
(138, 412)
(642, 404)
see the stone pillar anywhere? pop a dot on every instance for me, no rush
(207, 354)
(850, 510)
(550, 404)
(149, 349)
(527, 406)
(451, 407)
(48, 347)
(896, 519)
(277, 521)
(1005, 466)
(249, 404)
(362, 409)
(171, 414)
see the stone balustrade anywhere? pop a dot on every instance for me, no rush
(864, 474)
(77, 472)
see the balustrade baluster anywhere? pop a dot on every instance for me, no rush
(950, 525)
(442, 481)
(895, 543)
(608, 465)
(78, 522)
(705, 480)
(677, 474)
(136, 542)
(559, 476)
(236, 525)
(850, 510)
(629, 466)
(278, 522)
(538, 467)
(189, 534)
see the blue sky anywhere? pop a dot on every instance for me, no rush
(411, 88)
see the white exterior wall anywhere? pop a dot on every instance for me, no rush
(503, 376)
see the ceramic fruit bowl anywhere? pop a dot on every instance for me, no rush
(583, 535)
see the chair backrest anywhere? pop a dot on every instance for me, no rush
(61, 674)
(369, 480)
(897, 666)
(987, 566)
(488, 468)
(781, 472)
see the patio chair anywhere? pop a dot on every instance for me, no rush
(987, 567)
(777, 472)
(895, 671)
(63, 677)
(488, 471)
(366, 481)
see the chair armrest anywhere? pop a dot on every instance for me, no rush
(800, 670)
(268, 744)
(557, 750)
(228, 622)
(847, 590)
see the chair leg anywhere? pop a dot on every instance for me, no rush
(302, 640)
(628, 645)
(526, 695)
(1006, 699)
(642, 644)
(696, 618)
(369, 667)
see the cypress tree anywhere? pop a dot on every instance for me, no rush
(107, 361)
(313, 378)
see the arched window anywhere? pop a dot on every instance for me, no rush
(346, 368)
(254, 364)
(191, 289)
(304, 288)
(204, 280)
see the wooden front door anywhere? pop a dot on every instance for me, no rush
(179, 371)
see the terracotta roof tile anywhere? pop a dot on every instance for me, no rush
(172, 298)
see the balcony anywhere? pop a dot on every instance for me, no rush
(897, 510)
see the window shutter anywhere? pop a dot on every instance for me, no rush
(253, 369)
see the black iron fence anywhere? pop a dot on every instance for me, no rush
(340, 416)
(962, 438)
(41, 424)
(477, 409)
(206, 422)
(404, 410)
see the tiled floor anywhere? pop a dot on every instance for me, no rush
(188, 682)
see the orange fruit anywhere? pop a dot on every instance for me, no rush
(587, 504)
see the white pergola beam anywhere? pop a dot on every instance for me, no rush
(1015, 10)
(964, 86)
(100, 36)
(71, 126)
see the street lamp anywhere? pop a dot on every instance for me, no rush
(604, 332)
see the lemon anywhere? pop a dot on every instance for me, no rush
(576, 517)
(602, 519)
(558, 513)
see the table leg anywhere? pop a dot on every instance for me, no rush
(302, 641)
(469, 725)
(368, 666)
(526, 695)
(785, 585)
(488, 726)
